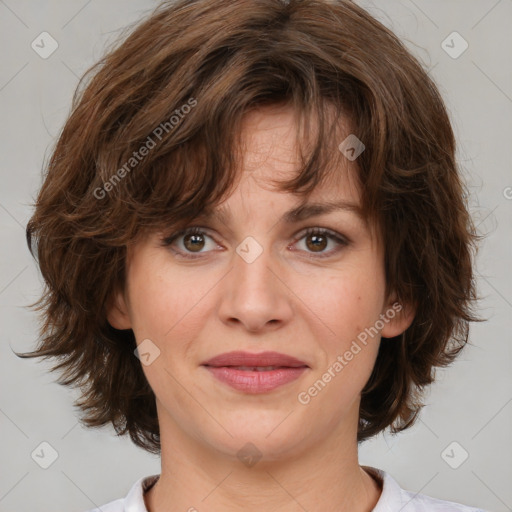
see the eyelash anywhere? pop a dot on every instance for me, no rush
(197, 230)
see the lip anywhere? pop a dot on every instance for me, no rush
(255, 381)
(241, 358)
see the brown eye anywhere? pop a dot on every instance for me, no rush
(193, 242)
(316, 242)
(190, 243)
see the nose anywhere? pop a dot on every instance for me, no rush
(255, 295)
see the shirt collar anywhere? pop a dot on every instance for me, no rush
(391, 493)
(134, 501)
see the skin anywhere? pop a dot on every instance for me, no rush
(290, 299)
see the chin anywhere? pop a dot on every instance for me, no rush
(254, 437)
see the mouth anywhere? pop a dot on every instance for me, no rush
(255, 373)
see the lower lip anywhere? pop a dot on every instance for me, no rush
(254, 381)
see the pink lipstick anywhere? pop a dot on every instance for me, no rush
(255, 373)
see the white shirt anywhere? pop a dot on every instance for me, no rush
(392, 499)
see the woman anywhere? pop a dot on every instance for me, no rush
(256, 251)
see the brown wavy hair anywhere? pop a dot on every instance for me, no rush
(183, 78)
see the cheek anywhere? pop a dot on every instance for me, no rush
(349, 305)
(167, 305)
(168, 308)
(347, 301)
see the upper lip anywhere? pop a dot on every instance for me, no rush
(240, 358)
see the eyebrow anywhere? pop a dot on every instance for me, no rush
(305, 211)
(299, 213)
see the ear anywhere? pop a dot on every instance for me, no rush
(118, 315)
(397, 318)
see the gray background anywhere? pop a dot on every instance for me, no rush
(470, 404)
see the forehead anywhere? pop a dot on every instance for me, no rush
(271, 151)
(270, 155)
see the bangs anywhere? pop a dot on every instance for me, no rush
(165, 128)
(193, 165)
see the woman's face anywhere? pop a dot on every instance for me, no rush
(257, 281)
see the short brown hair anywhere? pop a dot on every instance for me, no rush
(222, 58)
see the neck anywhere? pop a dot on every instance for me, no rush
(324, 476)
